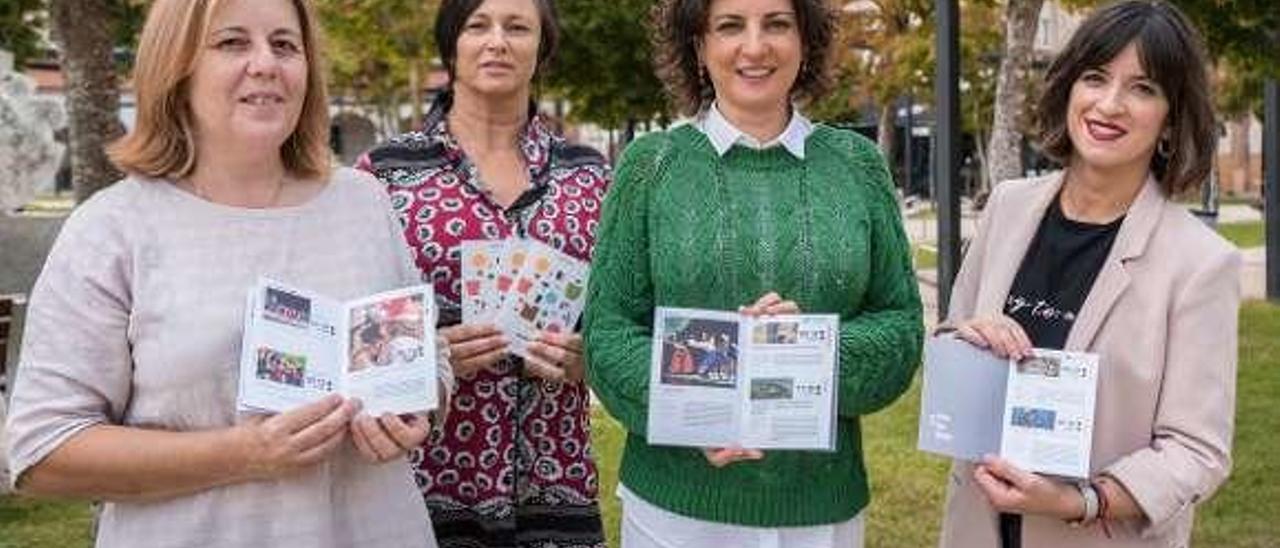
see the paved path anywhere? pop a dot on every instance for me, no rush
(1252, 275)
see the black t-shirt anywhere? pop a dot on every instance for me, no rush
(1056, 275)
(1053, 281)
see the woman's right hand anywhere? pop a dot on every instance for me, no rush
(721, 457)
(999, 334)
(285, 443)
(474, 347)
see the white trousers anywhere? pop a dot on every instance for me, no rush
(647, 526)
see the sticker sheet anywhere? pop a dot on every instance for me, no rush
(481, 265)
(523, 286)
(548, 294)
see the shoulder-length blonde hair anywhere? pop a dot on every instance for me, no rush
(162, 143)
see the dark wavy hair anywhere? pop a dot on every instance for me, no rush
(1172, 55)
(453, 16)
(677, 27)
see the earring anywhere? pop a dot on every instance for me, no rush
(1163, 148)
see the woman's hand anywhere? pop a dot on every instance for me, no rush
(285, 443)
(1011, 489)
(721, 457)
(389, 436)
(556, 357)
(999, 334)
(474, 347)
(771, 304)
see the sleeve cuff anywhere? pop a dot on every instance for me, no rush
(1149, 488)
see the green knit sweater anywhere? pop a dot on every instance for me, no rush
(684, 227)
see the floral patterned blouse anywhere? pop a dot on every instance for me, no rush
(512, 465)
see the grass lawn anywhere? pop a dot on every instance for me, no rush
(1244, 235)
(907, 485)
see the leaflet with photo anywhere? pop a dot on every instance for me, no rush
(1037, 412)
(721, 379)
(299, 346)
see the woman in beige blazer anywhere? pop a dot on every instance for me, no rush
(1098, 259)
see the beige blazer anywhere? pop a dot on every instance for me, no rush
(1162, 315)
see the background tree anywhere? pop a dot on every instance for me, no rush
(84, 32)
(380, 53)
(891, 55)
(605, 68)
(1021, 18)
(884, 54)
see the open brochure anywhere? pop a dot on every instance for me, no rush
(721, 379)
(1037, 413)
(522, 286)
(300, 346)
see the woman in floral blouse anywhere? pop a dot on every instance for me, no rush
(512, 465)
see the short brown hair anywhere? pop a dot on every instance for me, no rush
(1172, 55)
(453, 16)
(162, 143)
(677, 28)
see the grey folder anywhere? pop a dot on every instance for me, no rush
(962, 404)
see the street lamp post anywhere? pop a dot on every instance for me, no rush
(1271, 187)
(946, 153)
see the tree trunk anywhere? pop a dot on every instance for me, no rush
(415, 96)
(630, 133)
(885, 130)
(83, 30)
(1005, 149)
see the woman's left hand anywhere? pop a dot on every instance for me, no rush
(1011, 489)
(771, 304)
(556, 357)
(388, 437)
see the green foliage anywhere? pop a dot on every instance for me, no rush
(886, 52)
(604, 66)
(19, 21)
(379, 51)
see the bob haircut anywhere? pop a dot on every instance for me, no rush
(162, 143)
(452, 18)
(1172, 55)
(677, 28)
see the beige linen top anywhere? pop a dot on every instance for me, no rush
(136, 320)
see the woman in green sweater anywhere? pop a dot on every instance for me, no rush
(749, 207)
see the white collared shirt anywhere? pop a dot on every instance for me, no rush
(723, 134)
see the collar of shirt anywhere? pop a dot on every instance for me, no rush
(723, 135)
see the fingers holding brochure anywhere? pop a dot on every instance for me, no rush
(1000, 334)
(721, 457)
(384, 438)
(287, 442)
(770, 304)
(473, 347)
(556, 357)
(1011, 489)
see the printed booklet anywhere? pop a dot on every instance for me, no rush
(300, 346)
(523, 287)
(721, 379)
(1037, 413)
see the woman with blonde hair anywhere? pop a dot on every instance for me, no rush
(126, 389)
